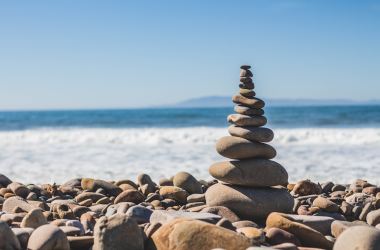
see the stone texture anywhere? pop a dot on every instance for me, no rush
(246, 120)
(250, 172)
(192, 234)
(240, 109)
(48, 237)
(164, 216)
(34, 219)
(117, 232)
(253, 102)
(308, 236)
(250, 203)
(8, 240)
(358, 238)
(252, 133)
(187, 182)
(239, 148)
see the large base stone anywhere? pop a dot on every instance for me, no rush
(250, 203)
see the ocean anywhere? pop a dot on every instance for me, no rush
(338, 143)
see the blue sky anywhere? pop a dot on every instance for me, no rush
(115, 54)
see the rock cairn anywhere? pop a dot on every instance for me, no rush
(247, 181)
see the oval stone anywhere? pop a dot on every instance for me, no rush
(240, 148)
(250, 203)
(252, 133)
(245, 120)
(247, 93)
(249, 102)
(240, 109)
(251, 173)
(358, 237)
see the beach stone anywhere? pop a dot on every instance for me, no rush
(146, 184)
(48, 237)
(250, 172)
(4, 180)
(240, 148)
(196, 198)
(165, 182)
(139, 213)
(373, 217)
(252, 102)
(246, 79)
(248, 203)
(252, 133)
(308, 236)
(80, 242)
(247, 85)
(94, 197)
(187, 182)
(8, 240)
(22, 235)
(244, 223)
(117, 232)
(247, 93)
(245, 73)
(358, 238)
(224, 212)
(306, 187)
(165, 216)
(240, 109)
(19, 189)
(34, 219)
(327, 187)
(130, 196)
(187, 234)
(366, 209)
(175, 193)
(278, 236)
(325, 204)
(320, 223)
(14, 203)
(246, 120)
(77, 224)
(337, 226)
(358, 198)
(70, 230)
(93, 185)
(253, 233)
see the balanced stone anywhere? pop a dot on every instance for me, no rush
(247, 85)
(246, 73)
(240, 148)
(251, 133)
(247, 111)
(250, 203)
(250, 172)
(245, 66)
(245, 120)
(246, 79)
(249, 102)
(247, 93)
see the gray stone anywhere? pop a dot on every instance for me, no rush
(239, 148)
(139, 213)
(250, 203)
(22, 235)
(373, 217)
(252, 133)
(240, 109)
(165, 216)
(48, 237)
(246, 120)
(250, 172)
(253, 102)
(117, 232)
(358, 238)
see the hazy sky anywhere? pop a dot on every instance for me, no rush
(99, 54)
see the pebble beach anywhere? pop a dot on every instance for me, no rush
(247, 200)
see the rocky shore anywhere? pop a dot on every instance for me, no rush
(249, 205)
(85, 213)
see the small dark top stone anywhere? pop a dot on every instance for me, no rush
(245, 66)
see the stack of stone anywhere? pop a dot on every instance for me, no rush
(247, 182)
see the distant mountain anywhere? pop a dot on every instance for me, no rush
(225, 101)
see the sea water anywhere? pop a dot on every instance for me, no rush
(338, 143)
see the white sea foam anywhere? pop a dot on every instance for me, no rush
(338, 154)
